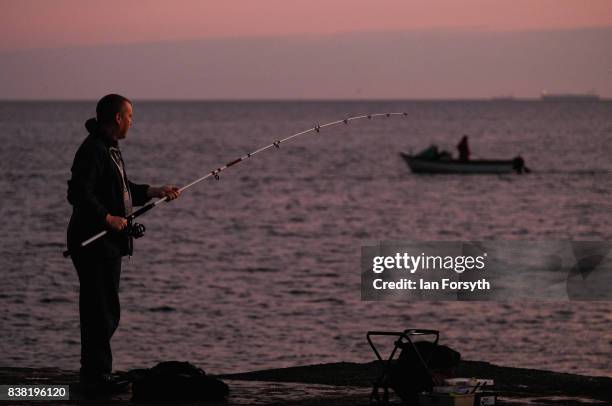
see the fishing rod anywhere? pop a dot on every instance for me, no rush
(138, 229)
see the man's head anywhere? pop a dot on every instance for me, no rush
(115, 113)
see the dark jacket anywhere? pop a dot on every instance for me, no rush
(94, 191)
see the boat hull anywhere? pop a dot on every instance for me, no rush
(420, 165)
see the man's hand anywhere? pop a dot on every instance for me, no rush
(116, 223)
(169, 191)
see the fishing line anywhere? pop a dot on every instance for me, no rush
(215, 173)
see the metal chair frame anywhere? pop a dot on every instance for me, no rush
(403, 340)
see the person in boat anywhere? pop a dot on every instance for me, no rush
(464, 149)
(102, 197)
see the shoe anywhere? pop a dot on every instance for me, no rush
(103, 383)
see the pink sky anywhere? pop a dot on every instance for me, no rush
(26, 24)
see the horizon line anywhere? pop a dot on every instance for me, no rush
(315, 100)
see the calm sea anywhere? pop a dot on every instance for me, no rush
(261, 268)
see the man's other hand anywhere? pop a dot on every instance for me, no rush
(169, 191)
(116, 223)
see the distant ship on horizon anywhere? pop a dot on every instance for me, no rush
(569, 97)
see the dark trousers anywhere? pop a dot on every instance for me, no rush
(99, 311)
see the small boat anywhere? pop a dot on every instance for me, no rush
(572, 97)
(480, 166)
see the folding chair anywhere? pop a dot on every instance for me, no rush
(403, 343)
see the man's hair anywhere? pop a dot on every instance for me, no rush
(108, 107)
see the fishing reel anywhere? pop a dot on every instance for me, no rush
(135, 230)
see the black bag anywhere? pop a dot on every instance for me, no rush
(173, 382)
(411, 373)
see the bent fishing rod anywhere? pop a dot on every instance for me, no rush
(138, 229)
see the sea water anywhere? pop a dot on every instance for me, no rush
(260, 269)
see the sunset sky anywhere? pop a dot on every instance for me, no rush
(57, 33)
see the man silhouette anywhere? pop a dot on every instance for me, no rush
(102, 197)
(464, 149)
